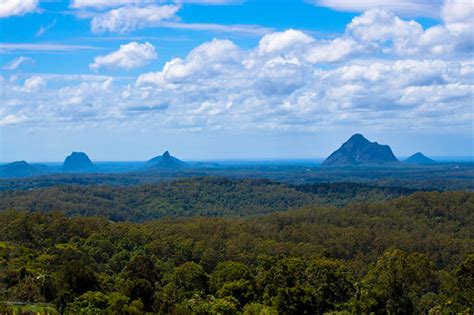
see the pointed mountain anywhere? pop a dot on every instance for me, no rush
(358, 151)
(78, 162)
(420, 159)
(165, 161)
(22, 169)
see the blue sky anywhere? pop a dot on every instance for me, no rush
(126, 80)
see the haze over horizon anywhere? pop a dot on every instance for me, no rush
(230, 79)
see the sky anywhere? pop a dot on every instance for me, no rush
(125, 80)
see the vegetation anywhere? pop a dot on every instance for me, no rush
(408, 255)
(207, 196)
(449, 176)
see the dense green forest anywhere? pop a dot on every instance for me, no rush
(206, 196)
(408, 255)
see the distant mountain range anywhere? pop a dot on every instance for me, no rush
(358, 151)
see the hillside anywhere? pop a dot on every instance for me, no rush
(313, 260)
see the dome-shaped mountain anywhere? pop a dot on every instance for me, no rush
(78, 162)
(358, 151)
(22, 169)
(165, 161)
(420, 159)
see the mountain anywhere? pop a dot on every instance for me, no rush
(358, 151)
(165, 161)
(78, 162)
(22, 169)
(420, 159)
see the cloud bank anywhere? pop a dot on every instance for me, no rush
(383, 71)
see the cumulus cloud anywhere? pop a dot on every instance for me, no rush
(281, 41)
(128, 18)
(34, 84)
(382, 71)
(128, 56)
(208, 59)
(288, 94)
(377, 27)
(17, 62)
(17, 7)
(458, 16)
(332, 50)
(82, 98)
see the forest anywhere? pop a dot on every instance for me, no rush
(443, 176)
(393, 251)
(202, 196)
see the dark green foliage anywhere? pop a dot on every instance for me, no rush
(408, 255)
(397, 281)
(191, 197)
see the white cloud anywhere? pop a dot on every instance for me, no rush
(281, 41)
(332, 51)
(103, 4)
(383, 72)
(12, 120)
(82, 95)
(17, 62)
(34, 84)
(283, 91)
(406, 7)
(208, 59)
(135, 14)
(17, 7)
(458, 29)
(377, 27)
(129, 56)
(382, 31)
(458, 16)
(128, 18)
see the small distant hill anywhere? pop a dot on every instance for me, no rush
(78, 162)
(420, 159)
(22, 169)
(358, 151)
(165, 162)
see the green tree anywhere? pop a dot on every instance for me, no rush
(89, 303)
(190, 278)
(396, 283)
